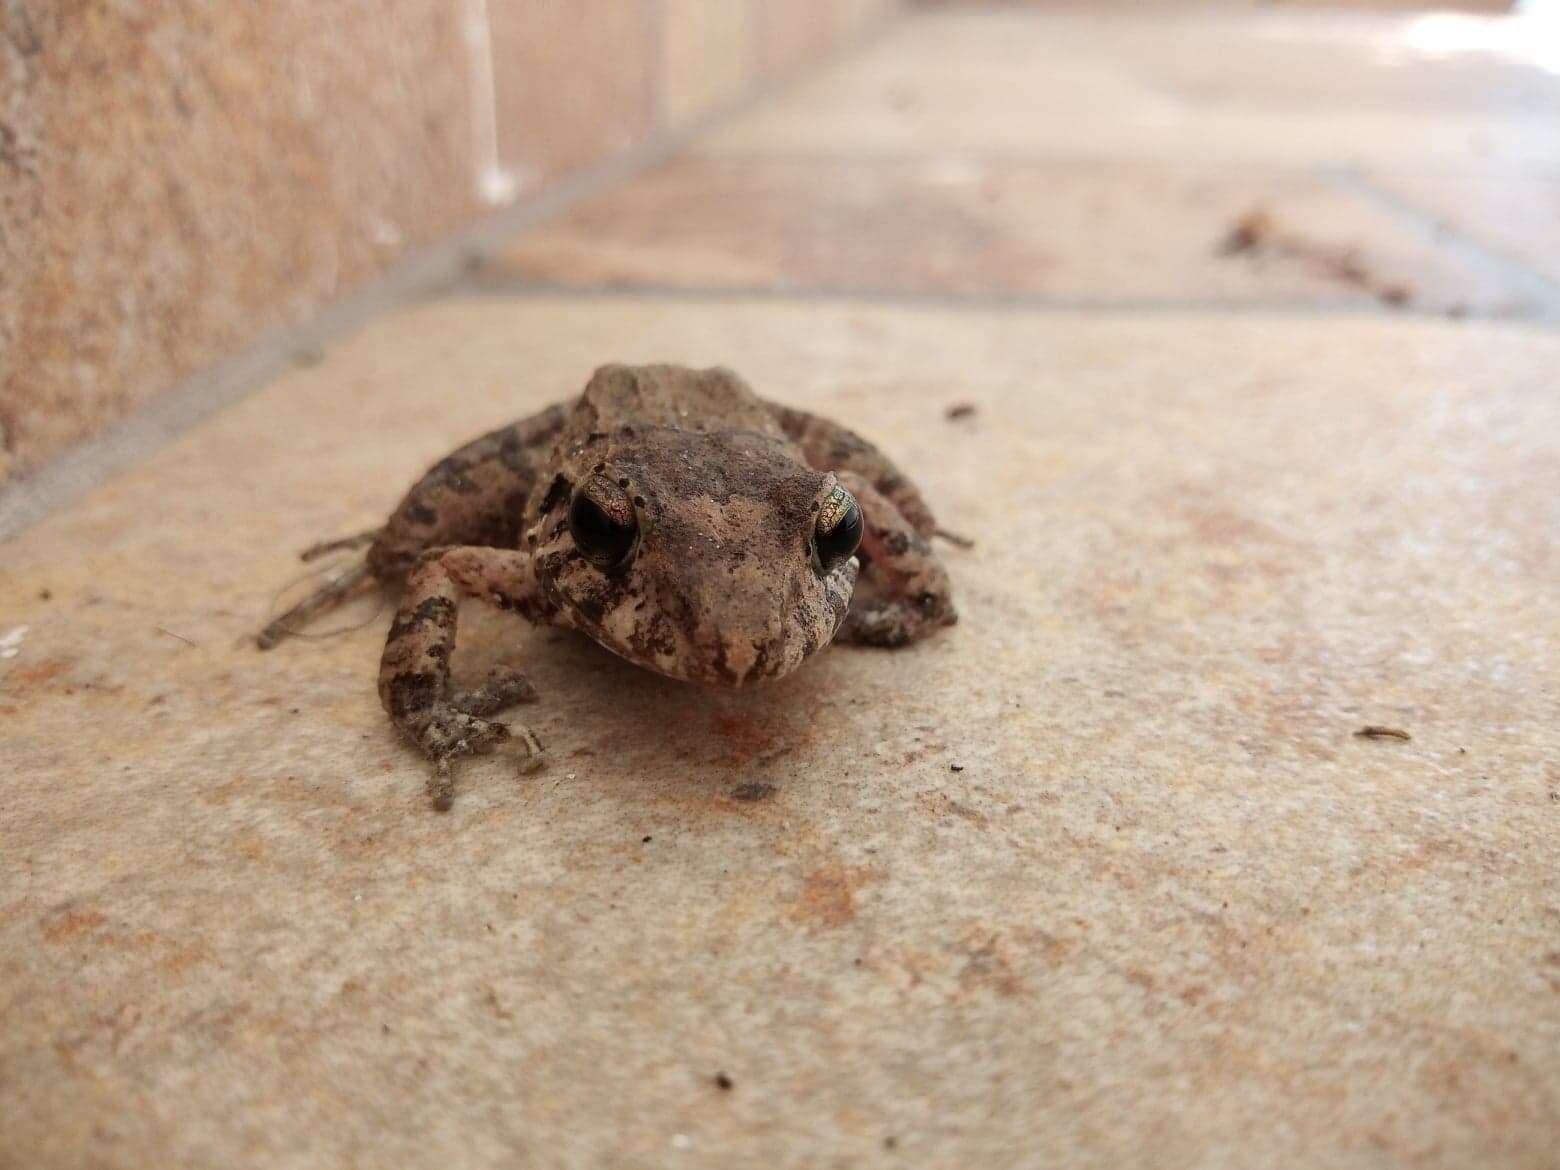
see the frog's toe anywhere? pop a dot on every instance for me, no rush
(446, 737)
(897, 624)
(876, 626)
(532, 755)
(504, 687)
(453, 734)
(441, 786)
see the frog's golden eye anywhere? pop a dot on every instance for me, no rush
(837, 534)
(603, 523)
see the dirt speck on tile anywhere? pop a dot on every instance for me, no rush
(753, 792)
(1258, 235)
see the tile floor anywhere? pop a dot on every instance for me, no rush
(1101, 877)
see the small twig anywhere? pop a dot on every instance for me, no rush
(1377, 731)
(1257, 234)
(171, 634)
(356, 540)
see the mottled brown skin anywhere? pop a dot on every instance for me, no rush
(722, 586)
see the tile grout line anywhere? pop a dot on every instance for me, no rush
(428, 273)
(491, 288)
(1520, 277)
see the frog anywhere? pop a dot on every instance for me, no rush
(668, 513)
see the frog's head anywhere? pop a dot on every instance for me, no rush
(713, 558)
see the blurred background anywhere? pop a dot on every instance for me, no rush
(180, 182)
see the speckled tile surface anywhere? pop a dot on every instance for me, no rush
(1100, 877)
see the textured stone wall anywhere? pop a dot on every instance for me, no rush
(180, 177)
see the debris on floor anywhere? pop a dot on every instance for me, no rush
(1257, 234)
(1247, 234)
(753, 792)
(169, 633)
(1377, 731)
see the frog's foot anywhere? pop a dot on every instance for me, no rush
(451, 733)
(503, 687)
(414, 672)
(903, 593)
(898, 623)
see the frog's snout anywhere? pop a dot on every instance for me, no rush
(777, 637)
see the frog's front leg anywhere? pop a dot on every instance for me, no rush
(414, 674)
(473, 496)
(903, 593)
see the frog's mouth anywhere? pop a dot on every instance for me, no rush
(724, 655)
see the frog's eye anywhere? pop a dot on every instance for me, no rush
(838, 532)
(602, 520)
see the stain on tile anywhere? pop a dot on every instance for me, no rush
(68, 924)
(827, 899)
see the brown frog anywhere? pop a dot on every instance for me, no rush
(670, 514)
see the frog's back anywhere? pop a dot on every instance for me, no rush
(712, 400)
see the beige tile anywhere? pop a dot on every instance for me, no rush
(174, 183)
(793, 33)
(1085, 231)
(1171, 911)
(1286, 88)
(574, 81)
(854, 16)
(708, 55)
(1514, 216)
